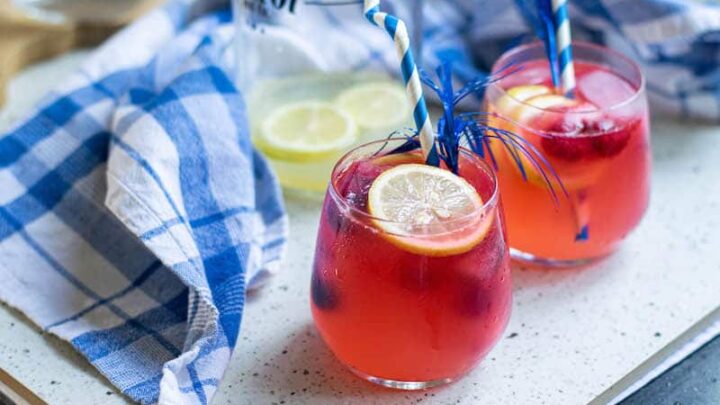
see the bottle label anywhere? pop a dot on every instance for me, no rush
(268, 7)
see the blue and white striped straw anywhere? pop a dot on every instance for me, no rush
(563, 40)
(564, 46)
(398, 31)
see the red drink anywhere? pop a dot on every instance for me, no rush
(395, 315)
(598, 143)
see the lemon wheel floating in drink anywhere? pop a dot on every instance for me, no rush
(303, 124)
(415, 196)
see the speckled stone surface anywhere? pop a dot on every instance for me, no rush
(573, 333)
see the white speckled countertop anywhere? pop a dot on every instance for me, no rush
(573, 333)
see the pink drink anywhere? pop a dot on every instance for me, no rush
(598, 143)
(397, 318)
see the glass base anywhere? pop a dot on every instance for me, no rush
(532, 260)
(402, 385)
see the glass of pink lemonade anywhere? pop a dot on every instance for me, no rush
(597, 141)
(411, 283)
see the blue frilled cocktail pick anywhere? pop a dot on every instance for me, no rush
(473, 131)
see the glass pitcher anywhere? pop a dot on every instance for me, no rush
(318, 79)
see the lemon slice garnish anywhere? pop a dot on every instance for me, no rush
(523, 104)
(375, 106)
(515, 96)
(306, 131)
(546, 101)
(523, 93)
(427, 210)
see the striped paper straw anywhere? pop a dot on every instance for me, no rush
(567, 86)
(564, 46)
(398, 31)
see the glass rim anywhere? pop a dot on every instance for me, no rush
(487, 206)
(639, 91)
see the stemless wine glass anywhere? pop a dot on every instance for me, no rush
(597, 142)
(390, 308)
(318, 79)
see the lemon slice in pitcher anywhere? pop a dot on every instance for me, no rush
(306, 131)
(376, 106)
(427, 210)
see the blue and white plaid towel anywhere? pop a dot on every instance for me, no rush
(134, 212)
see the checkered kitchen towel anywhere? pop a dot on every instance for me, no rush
(133, 210)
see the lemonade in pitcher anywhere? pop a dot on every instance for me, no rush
(303, 124)
(318, 80)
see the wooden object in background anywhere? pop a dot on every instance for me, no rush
(14, 393)
(25, 40)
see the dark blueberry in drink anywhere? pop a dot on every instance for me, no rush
(323, 294)
(475, 299)
(332, 215)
